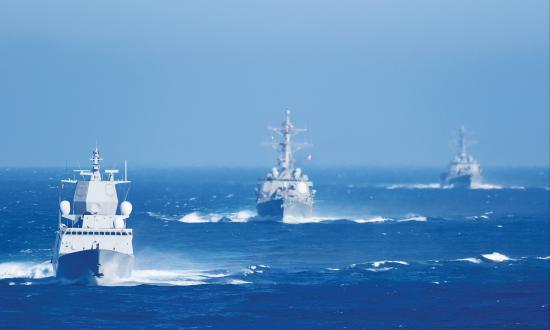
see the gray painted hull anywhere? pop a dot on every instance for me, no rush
(89, 265)
(278, 210)
(463, 181)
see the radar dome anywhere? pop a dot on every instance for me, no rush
(125, 208)
(65, 207)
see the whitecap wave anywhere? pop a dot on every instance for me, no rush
(29, 270)
(164, 277)
(415, 186)
(377, 264)
(377, 270)
(160, 216)
(304, 220)
(471, 260)
(496, 257)
(256, 269)
(247, 216)
(26, 270)
(486, 186)
(414, 218)
(484, 216)
(198, 217)
(238, 282)
(544, 258)
(373, 219)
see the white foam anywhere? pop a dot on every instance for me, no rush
(486, 186)
(333, 269)
(238, 282)
(544, 258)
(26, 270)
(196, 217)
(472, 260)
(255, 269)
(382, 269)
(478, 185)
(414, 218)
(242, 216)
(160, 216)
(304, 220)
(496, 257)
(373, 219)
(163, 277)
(377, 264)
(415, 186)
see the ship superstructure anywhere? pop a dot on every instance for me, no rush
(93, 240)
(464, 171)
(285, 192)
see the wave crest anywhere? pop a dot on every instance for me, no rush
(26, 270)
(496, 257)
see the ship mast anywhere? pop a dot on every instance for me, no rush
(286, 146)
(462, 142)
(96, 174)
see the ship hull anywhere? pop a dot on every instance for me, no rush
(88, 266)
(460, 182)
(279, 210)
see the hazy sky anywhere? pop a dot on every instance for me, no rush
(197, 82)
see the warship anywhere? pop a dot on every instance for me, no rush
(285, 192)
(93, 241)
(464, 171)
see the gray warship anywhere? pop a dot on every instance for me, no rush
(286, 192)
(93, 241)
(464, 171)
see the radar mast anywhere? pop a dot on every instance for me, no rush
(286, 147)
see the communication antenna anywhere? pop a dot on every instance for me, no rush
(125, 170)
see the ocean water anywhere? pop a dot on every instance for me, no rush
(387, 248)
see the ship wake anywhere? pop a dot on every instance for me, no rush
(200, 217)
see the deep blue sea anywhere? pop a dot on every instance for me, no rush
(387, 248)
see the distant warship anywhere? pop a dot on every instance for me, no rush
(464, 170)
(285, 192)
(93, 241)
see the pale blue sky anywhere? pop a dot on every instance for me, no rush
(197, 82)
